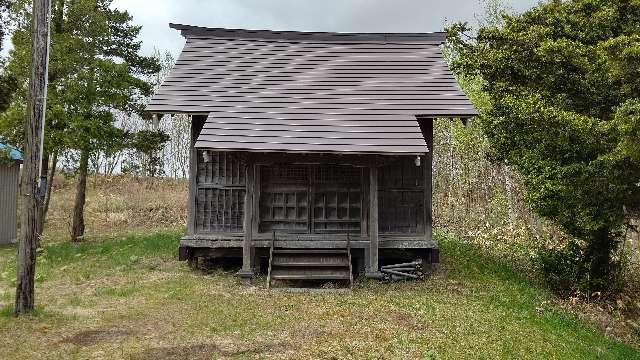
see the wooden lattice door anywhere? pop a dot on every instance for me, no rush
(284, 203)
(337, 193)
(310, 199)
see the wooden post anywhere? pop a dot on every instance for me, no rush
(428, 176)
(197, 122)
(255, 206)
(247, 251)
(31, 173)
(193, 173)
(372, 266)
(364, 203)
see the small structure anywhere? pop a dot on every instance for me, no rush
(310, 143)
(10, 160)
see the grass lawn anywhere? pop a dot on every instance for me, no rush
(128, 297)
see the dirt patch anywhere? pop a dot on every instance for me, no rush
(306, 331)
(194, 351)
(407, 320)
(95, 336)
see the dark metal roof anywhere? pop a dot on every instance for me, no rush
(436, 38)
(283, 78)
(357, 133)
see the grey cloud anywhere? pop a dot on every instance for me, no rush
(301, 15)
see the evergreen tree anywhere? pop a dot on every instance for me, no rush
(562, 82)
(7, 83)
(95, 69)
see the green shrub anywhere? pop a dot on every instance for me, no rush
(566, 271)
(560, 268)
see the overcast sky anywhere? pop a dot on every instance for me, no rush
(301, 15)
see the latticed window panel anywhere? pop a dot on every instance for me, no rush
(221, 168)
(287, 176)
(284, 203)
(220, 192)
(337, 211)
(336, 175)
(284, 212)
(220, 210)
(338, 199)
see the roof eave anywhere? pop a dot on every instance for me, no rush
(190, 30)
(389, 153)
(462, 115)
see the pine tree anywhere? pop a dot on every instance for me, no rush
(7, 83)
(95, 69)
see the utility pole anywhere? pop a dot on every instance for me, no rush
(31, 185)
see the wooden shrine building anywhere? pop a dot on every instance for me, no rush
(310, 142)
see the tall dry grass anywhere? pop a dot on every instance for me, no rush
(117, 204)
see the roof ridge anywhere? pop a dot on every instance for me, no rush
(190, 30)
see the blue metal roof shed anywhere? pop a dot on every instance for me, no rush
(9, 175)
(14, 154)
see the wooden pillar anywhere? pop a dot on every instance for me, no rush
(197, 122)
(364, 203)
(372, 264)
(247, 249)
(428, 180)
(193, 173)
(255, 206)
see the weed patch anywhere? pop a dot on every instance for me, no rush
(92, 337)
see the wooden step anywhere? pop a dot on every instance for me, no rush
(300, 263)
(310, 274)
(311, 259)
(313, 290)
(309, 264)
(310, 251)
